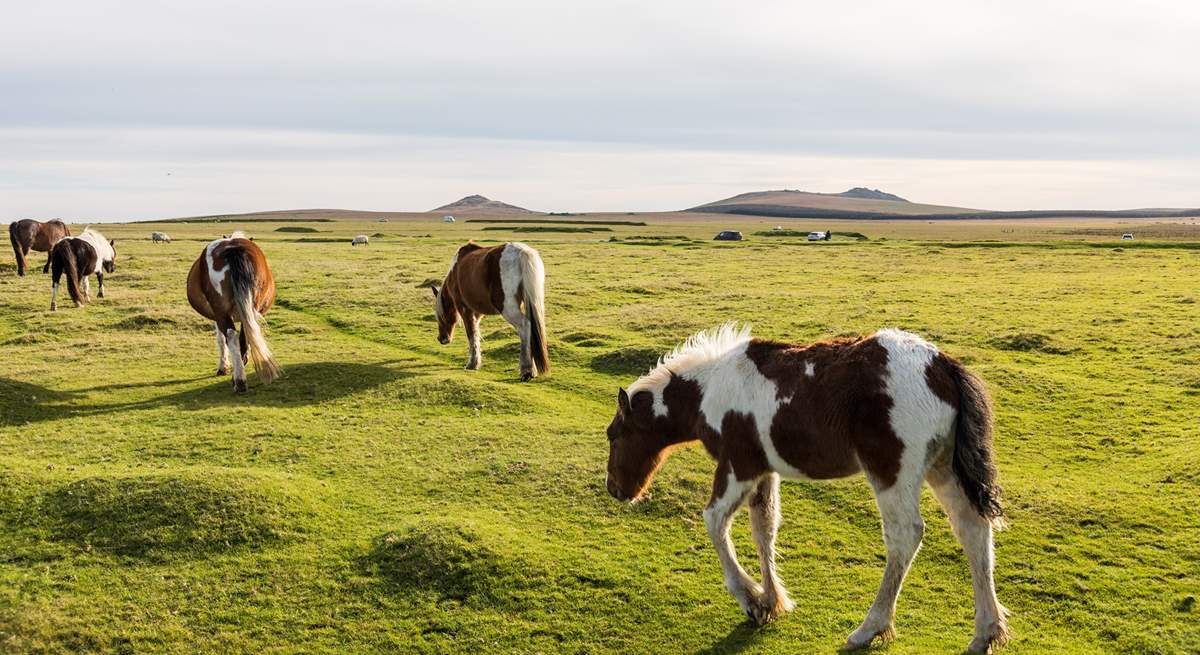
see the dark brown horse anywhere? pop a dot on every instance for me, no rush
(29, 235)
(508, 280)
(890, 405)
(231, 283)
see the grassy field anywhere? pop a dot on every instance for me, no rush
(379, 498)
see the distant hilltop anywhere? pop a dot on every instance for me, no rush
(870, 194)
(477, 204)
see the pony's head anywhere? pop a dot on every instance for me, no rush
(447, 315)
(637, 446)
(110, 265)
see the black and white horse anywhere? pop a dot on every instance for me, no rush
(78, 257)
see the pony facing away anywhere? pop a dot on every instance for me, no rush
(508, 280)
(78, 257)
(890, 405)
(29, 235)
(231, 283)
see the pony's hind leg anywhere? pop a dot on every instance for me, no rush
(100, 283)
(233, 343)
(903, 529)
(87, 288)
(764, 525)
(221, 352)
(974, 533)
(516, 318)
(728, 495)
(46, 268)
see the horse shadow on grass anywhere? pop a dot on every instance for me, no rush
(301, 385)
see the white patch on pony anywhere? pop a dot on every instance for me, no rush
(215, 278)
(510, 276)
(104, 251)
(917, 416)
(810, 369)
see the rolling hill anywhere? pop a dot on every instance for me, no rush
(856, 201)
(479, 205)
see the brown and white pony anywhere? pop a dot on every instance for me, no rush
(231, 283)
(508, 280)
(29, 235)
(78, 257)
(890, 405)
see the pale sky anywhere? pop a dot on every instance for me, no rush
(591, 106)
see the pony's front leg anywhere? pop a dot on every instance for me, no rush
(728, 495)
(46, 268)
(764, 525)
(221, 352)
(100, 283)
(474, 341)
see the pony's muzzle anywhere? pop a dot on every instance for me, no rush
(613, 489)
(443, 340)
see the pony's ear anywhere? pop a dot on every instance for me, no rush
(111, 242)
(224, 236)
(434, 290)
(622, 401)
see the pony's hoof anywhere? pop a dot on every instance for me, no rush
(861, 641)
(221, 372)
(764, 609)
(239, 386)
(79, 304)
(54, 308)
(526, 376)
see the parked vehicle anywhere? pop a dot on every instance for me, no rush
(728, 235)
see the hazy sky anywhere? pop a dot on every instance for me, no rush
(608, 105)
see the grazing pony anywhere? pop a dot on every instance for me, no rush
(231, 283)
(362, 238)
(890, 405)
(160, 237)
(29, 235)
(80, 257)
(508, 280)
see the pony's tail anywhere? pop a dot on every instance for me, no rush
(243, 282)
(533, 283)
(973, 463)
(16, 246)
(67, 253)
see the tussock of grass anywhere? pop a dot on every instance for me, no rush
(144, 321)
(297, 228)
(448, 559)
(625, 361)
(1028, 342)
(160, 515)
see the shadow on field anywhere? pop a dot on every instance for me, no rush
(302, 384)
(744, 635)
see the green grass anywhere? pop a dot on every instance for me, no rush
(379, 498)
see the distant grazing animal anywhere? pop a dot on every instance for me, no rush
(231, 283)
(363, 239)
(29, 235)
(890, 405)
(160, 237)
(508, 280)
(78, 257)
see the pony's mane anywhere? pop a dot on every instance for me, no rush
(237, 234)
(700, 348)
